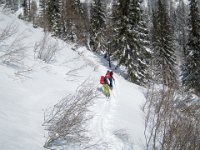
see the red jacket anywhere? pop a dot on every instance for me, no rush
(108, 75)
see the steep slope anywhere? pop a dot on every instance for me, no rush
(29, 87)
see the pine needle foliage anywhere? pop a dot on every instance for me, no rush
(191, 78)
(164, 59)
(97, 26)
(131, 41)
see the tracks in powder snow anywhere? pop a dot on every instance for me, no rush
(103, 124)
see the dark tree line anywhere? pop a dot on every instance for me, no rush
(148, 51)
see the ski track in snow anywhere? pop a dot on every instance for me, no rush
(104, 116)
(104, 113)
(103, 122)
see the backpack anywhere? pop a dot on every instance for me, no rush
(102, 80)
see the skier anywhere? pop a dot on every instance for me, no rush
(105, 82)
(109, 76)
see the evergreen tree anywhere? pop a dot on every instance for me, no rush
(191, 76)
(131, 41)
(144, 54)
(54, 16)
(33, 11)
(43, 14)
(73, 24)
(25, 6)
(181, 26)
(97, 26)
(122, 35)
(163, 46)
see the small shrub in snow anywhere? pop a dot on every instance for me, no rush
(8, 32)
(11, 48)
(46, 49)
(172, 119)
(67, 120)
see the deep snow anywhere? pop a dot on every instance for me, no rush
(29, 88)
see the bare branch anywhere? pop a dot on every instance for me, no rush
(172, 119)
(46, 49)
(12, 49)
(68, 119)
(8, 32)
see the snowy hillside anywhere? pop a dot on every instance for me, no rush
(29, 86)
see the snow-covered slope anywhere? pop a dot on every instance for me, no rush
(30, 87)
